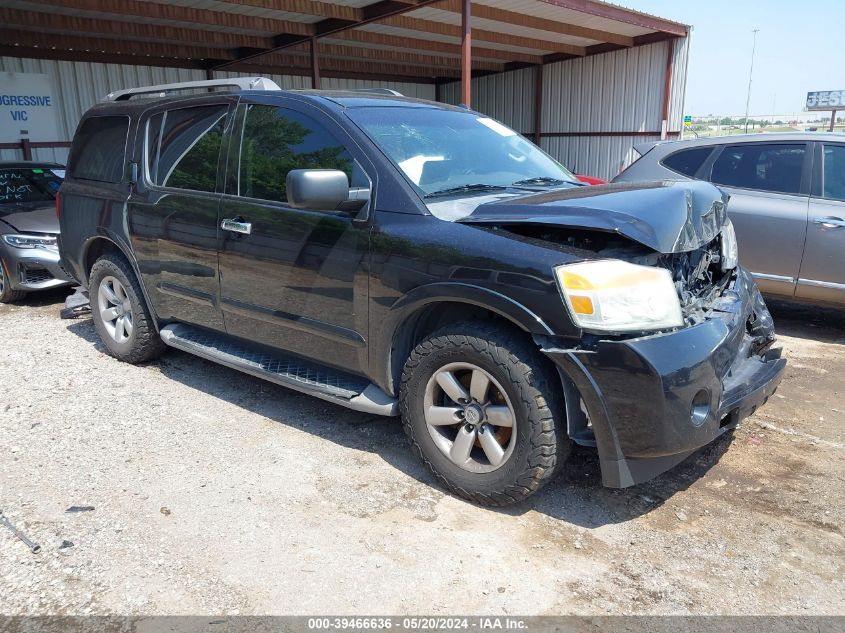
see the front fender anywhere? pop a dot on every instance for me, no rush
(400, 319)
(466, 293)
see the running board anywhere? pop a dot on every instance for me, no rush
(288, 371)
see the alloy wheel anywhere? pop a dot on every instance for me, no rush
(469, 417)
(115, 309)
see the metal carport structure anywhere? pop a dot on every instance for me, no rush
(585, 79)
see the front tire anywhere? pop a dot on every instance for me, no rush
(7, 295)
(121, 316)
(484, 413)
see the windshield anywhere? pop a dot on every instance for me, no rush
(453, 153)
(29, 185)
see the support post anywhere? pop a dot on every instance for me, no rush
(315, 65)
(26, 146)
(466, 53)
(437, 90)
(667, 89)
(538, 103)
(832, 121)
(209, 74)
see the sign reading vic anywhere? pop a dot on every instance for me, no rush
(28, 108)
(826, 100)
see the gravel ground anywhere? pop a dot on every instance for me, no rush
(217, 493)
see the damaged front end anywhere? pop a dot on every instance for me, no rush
(648, 397)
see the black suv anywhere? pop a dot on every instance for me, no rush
(404, 257)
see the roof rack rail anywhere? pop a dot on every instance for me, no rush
(379, 91)
(242, 83)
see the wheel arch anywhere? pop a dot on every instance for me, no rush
(106, 242)
(427, 308)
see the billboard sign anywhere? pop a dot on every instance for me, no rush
(28, 108)
(826, 100)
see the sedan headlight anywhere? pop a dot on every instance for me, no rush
(31, 241)
(615, 296)
(730, 250)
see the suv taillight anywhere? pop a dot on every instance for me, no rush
(58, 210)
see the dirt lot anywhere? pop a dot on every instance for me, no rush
(215, 492)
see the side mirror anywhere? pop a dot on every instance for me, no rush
(319, 189)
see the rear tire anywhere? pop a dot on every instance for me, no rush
(7, 295)
(506, 439)
(121, 316)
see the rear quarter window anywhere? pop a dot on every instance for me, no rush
(99, 149)
(687, 161)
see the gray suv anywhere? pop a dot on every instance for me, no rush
(787, 203)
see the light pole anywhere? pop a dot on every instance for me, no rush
(750, 74)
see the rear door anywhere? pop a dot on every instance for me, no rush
(769, 188)
(822, 275)
(294, 279)
(173, 212)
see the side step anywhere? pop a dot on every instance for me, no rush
(316, 380)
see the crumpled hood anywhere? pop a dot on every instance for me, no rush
(666, 216)
(31, 218)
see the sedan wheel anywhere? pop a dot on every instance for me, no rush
(7, 295)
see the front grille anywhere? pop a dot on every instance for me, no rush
(36, 275)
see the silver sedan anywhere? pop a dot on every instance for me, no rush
(29, 228)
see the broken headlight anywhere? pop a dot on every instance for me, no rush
(615, 296)
(730, 250)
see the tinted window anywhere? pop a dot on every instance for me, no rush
(833, 187)
(29, 185)
(765, 167)
(184, 147)
(99, 149)
(687, 161)
(276, 140)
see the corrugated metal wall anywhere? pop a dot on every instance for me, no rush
(621, 91)
(507, 97)
(79, 85)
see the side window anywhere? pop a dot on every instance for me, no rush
(687, 161)
(99, 149)
(183, 147)
(765, 167)
(276, 140)
(833, 183)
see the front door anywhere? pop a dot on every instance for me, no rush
(290, 278)
(174, 212)
(768, 184)
(822, 275)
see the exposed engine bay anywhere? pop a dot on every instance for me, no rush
(699, 275)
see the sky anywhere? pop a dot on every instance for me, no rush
(799, 49)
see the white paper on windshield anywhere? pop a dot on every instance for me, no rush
(497, 127)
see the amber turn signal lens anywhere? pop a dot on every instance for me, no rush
(582, 305)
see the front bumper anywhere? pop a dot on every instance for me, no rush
(33, 268)
(652, 401)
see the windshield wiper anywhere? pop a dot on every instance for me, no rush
(541, 181)
(465, 189)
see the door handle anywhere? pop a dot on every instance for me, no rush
(236, 226)
(830, 222)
